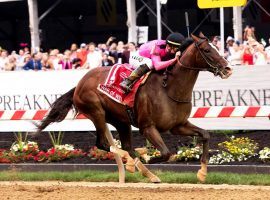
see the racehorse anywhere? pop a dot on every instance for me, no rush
(161, 104)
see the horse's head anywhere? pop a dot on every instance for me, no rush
(209, 59)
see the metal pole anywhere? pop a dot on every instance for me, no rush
(158, 20)
(33, 24)
(49, 10)
(222, 30)
(150, 9)
(260, 6)
(237, 23)
(199, 25)
(131, 21)
(187, 23)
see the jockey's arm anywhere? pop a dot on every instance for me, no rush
(159, 65)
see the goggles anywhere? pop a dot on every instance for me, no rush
(173, 47)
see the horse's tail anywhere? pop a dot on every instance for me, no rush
(59, 110)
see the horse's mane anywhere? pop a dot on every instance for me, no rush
(185, 44)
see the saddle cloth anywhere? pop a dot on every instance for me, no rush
(111, 86)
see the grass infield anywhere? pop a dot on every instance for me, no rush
(166, 177)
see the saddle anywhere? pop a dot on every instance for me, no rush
(111, 87)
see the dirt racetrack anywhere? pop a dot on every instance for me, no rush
(142, 191)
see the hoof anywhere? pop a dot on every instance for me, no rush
(201, 176)
(155, 179)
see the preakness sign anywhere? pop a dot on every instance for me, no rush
(248, 86)
(32, 91)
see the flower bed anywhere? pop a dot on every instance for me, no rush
(228, 150)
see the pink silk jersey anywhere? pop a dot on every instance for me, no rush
(154, 51)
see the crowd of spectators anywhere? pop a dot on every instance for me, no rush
(84, 56)
(88, 56)
(249, 52)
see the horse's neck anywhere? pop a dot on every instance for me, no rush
(182, 85)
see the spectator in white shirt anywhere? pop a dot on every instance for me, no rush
(20, 60)
(3, 59)
(260, 55)
(235, 57)
(94, 58)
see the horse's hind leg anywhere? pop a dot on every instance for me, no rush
(125, 135)
(100, 125)
(89, 104)
(98, 118)
(189, 129)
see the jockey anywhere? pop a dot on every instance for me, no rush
(156, 54)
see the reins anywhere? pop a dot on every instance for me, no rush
(212, 68)
(180, 101)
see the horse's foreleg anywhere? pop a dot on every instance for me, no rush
(153, 136)
(189, 129)
(201, 175)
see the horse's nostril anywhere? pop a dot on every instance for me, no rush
(229, 71)
(228, 68)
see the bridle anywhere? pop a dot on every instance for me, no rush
(215, 68)
(212, 67)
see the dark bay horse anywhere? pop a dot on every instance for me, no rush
(161, 104)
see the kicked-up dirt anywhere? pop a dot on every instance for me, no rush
(128, 191)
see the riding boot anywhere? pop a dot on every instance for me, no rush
(128, 82)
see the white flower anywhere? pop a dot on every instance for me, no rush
(67, 147)
(179, 152)
(264, 154)
(14, 148)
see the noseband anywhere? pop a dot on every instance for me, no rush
(212, 67)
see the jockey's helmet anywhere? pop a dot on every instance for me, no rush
(175, 39)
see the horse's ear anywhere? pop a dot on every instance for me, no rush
(195, 38)
(201, 35)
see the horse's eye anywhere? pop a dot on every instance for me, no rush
(206, 50)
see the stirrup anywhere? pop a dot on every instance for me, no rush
(127, 89)
(125, 86)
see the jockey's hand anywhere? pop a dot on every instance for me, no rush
(177, 54)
